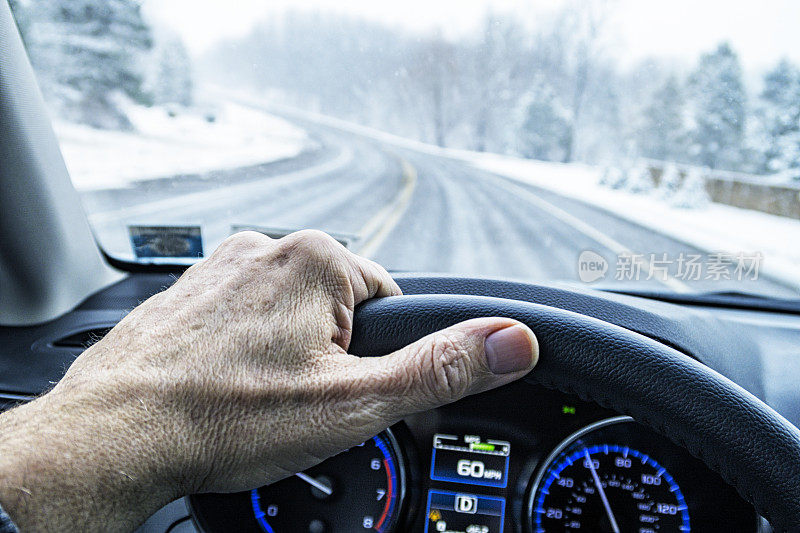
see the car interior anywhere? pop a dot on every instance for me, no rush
(648, 411)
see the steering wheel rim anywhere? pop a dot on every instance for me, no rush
(748, 443)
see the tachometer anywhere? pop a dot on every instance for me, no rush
(360, 489)
(592, 484)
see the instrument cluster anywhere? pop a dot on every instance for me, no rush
(518, 459)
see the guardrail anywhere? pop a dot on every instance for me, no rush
(741, 190)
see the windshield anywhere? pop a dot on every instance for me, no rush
(651, 145)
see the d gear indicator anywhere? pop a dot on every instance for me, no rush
(453, 512)
(470, 460)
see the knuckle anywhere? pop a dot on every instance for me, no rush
(449, 367)
(311, 245)
(243, 240)
(310, 237)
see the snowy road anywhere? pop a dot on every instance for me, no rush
(407, 209)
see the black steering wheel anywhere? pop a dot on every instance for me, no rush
(748, 443)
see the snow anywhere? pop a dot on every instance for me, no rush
(711, 227)
(184, 144)
(707, 226)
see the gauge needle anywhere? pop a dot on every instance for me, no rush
(314, 483)
(599, 486)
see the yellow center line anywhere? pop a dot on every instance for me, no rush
(372, 234)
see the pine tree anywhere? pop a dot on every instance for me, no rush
(719, 103)
(663, 135)
(88, 51)
(779, 118)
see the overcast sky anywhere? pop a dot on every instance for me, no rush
(760, 30)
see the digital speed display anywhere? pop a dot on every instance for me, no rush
(470, 460)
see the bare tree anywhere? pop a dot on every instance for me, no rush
(570, 49)
(495, 66)
(432, 74)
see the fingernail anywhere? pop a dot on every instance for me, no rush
(510, 349)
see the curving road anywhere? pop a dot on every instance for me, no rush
(407, 209)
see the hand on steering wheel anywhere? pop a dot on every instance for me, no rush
(236, 376)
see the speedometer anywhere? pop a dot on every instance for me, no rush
(591, 483)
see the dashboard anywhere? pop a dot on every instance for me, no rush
(518, 459)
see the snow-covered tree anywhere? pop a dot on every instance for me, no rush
(671, 181)
(87, 53)
(640, 180)
(691, 194)
(546, 128)
(663, 133)
(614, 176)
(719, 105)
(779, 118)
(170, 81)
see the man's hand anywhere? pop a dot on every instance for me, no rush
(236, 376)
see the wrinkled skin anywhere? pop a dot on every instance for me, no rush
(234, 377)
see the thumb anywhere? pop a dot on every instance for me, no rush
(467, 358)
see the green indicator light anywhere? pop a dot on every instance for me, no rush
(481, 446)
(568, 409)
